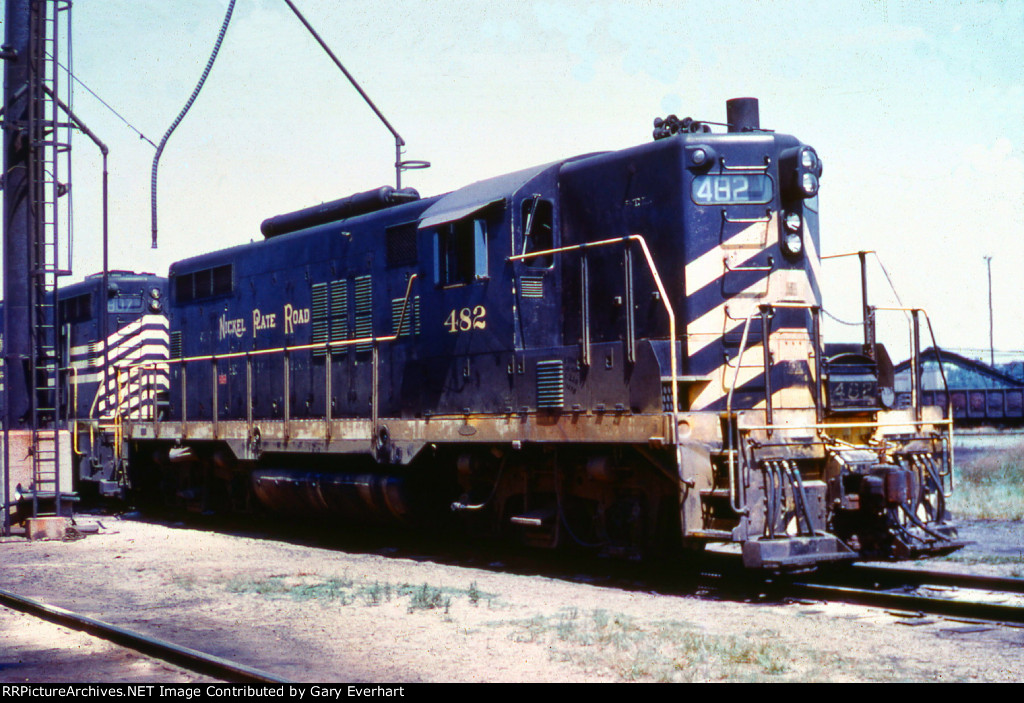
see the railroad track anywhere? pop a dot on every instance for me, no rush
(185, 657)
(954, 595)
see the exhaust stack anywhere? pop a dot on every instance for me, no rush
(742, 115)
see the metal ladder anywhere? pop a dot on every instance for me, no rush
(51, 161)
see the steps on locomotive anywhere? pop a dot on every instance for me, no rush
(534, 518)
(719, 517)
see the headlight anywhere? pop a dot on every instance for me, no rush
(793, 243)
(809, 183)
(808, 159)
(700, 156)
(792, 238)
(800, 172)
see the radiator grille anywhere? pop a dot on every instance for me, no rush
(339, 315)
(330, 315)
(550, 384)
(176, 349)
(321, 324)
(532, 286)
(364, 311)
(412, 316)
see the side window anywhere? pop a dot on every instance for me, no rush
(77, 309)
(460, 252)
(538, 230)
(207, 283)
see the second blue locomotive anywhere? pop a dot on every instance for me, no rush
(106, 323)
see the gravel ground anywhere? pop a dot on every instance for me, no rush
(359, 613)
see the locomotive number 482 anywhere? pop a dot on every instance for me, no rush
(466, 319)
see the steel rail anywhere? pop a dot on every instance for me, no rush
(186, 657)
(974, 610)
(905, 576)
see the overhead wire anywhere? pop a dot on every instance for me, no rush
(105, 104)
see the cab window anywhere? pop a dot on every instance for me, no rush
(538, 231)
(460, 252)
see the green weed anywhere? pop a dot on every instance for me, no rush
(298, 588)
(346, 591)
(991, 487)
(376, 593)
(658, 651)
(427, 597)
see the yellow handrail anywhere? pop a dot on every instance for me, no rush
(661, 292)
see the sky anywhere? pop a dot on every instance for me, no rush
(914, 107)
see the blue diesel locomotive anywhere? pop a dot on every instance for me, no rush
(619, 350)
(129, 321)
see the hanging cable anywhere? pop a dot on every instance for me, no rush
(181, 115)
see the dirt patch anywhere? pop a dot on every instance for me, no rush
(310, 613)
